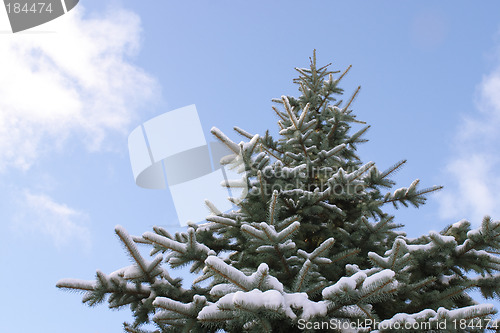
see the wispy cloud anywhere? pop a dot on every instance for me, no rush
(474, 169)
(78, 80)
(64, 225)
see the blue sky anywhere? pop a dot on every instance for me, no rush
(430, 77)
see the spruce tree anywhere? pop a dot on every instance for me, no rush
(309, 243)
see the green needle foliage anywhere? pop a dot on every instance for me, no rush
(309, 243)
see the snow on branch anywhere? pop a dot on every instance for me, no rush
(251, 303)
(177, 313)
(76, 285)
(182, 252)
(260, 279)
(228, 142)
(359, 288)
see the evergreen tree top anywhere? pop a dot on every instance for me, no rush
(309, 242)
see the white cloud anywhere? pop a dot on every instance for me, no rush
(42, 215)
(474, 170)
(77, 80)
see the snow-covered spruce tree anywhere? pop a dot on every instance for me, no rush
(310, 242)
